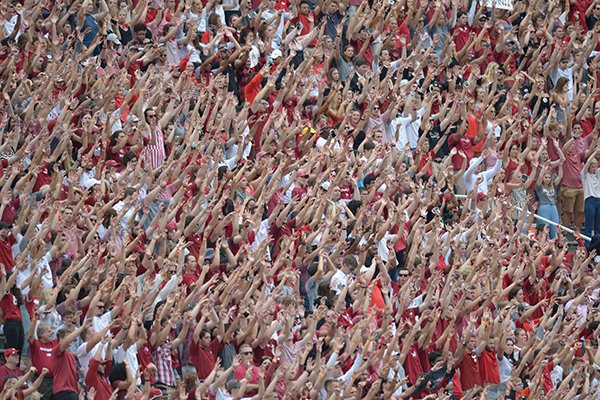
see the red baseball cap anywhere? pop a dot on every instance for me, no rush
(111, 163)
(10, 352)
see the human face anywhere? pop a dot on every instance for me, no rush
(68, 215)
(151, 117)
(520, 296)
(206, 339)
(577, 130)
(472, 344)
(462, 21)
(376, 110)
(100, 308)
(140, 36)
(333, 7)
(12, 361)
(304, 9)
(46, 335)
(88, 6)
(335, 75)
(547, 179)
(122, 16)
(593, 166)
(335, 194)
(349, 52)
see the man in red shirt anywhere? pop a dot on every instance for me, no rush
(204, 351)
(65, 384)
(247, 364)
(11, 368)
(461, 31)
(470, 374)
(7, 240)
(488, 365)
(98, 371)
(41, 354)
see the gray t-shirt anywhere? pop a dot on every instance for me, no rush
(546, 195)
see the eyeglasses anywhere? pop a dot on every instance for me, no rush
(403, 275)
(246, 353)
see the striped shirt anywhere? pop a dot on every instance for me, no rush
(164, 364)
(155, 153)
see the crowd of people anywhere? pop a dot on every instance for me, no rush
(299, 199)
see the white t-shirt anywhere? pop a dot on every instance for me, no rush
(130, 355)
(591, 184)
(85, 358)
(102, 321)
(339, 280)
(408, 130)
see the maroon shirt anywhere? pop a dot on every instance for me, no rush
(6, 372)
(41, 354)
(204, 359)
(64, 370)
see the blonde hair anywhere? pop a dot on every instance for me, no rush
(490, 72)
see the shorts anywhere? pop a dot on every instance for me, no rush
(572, 199)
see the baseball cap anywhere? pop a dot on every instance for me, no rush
(276, 54)
(113, 38)
(10, 352)
(111, 163)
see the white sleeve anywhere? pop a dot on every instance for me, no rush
(170, 286)
(348, 375)
(469, 178)
(491, 173)
(471, 12)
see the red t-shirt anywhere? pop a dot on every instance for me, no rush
(41, 354)
(462, 35)
(98, 382)
(10, 211)
(10, 308)
(5, 372)
(488, 368)
(412, 365)
(465, 144)
(204, 359)
(470, 375)
(6, 256)
(63, 362)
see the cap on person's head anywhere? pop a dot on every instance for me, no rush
(484, 17)
(325, 185)
(91, 182)
(10, 352)
(111, 163)
(523, 306)
(403, 82)
(276, 54)
(210, 254)
(302, 175)
(233, 384)
(4, 225)
(113, 38)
